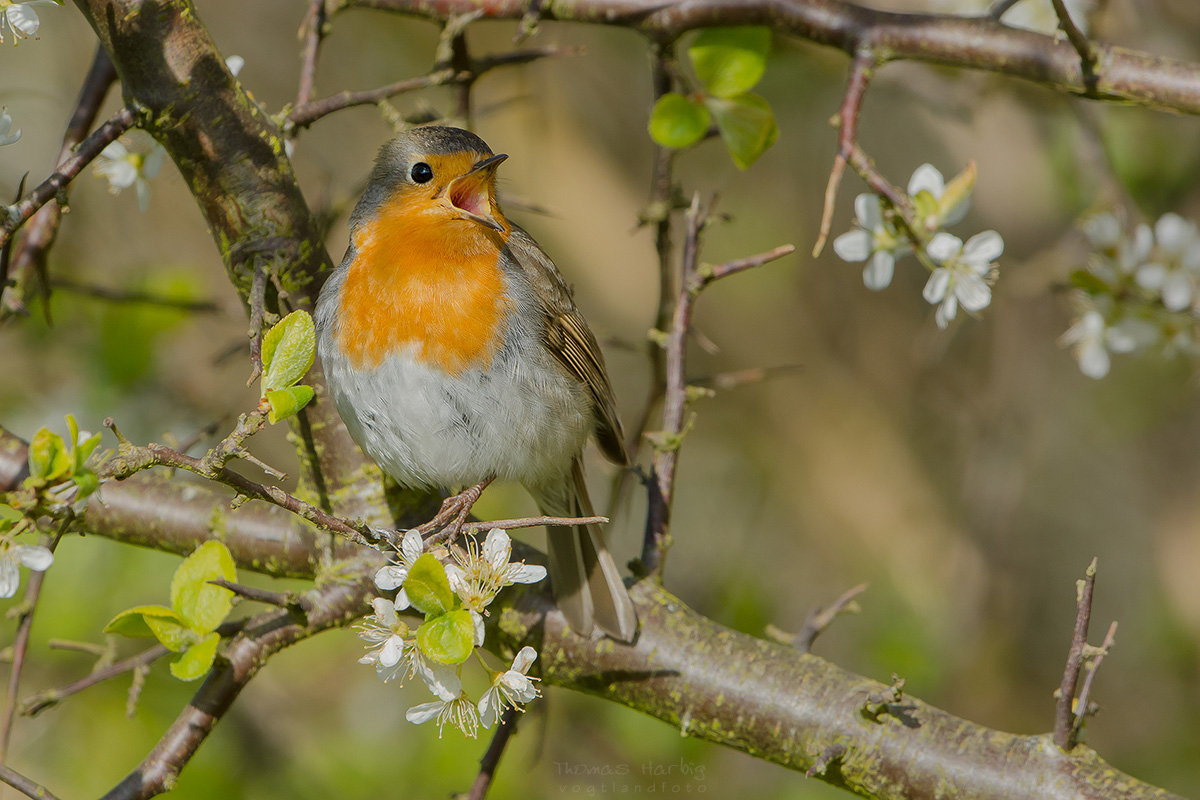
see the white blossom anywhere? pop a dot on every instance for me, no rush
(479, 574)
(1173, 270)
(963, 273)
(510, 689)
(874, 240)
(388, 639)
(452, 704)
(20, 19)
(124, 167)
(1092, 339)
(13, 555)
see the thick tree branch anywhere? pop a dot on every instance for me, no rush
(975, 43)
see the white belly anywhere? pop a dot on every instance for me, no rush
(516, 420)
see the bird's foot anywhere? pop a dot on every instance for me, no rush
(448, 522)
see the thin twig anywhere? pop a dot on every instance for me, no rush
(312, 32)
(87, 151)
(37, 703)
(856, 89)
(1078, 40)
(132, 459)
(20, 648)
(1085, 691)
(530, 522)
(491, 758)
(258, 294)
(128, 296)
(819, 619)
(304, 115)
(286, 600)
(24, 785)
(1000, 8)
(1063, 717)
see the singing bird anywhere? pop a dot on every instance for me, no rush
(455, 354)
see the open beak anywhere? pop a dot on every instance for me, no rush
(471, 194)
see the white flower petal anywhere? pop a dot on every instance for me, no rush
(154, 161)
(926, 178)
(853, 245)
(10, 577)
(972, 293)
(143, 194)
(442, 681)
(524, 659)
(1173, 232)
(34, 556)
(5, 127)
(480, 630)
(1151, 276)
(877, 275)
(391, 577)
(235, 64)
(23, 19)
(935, 287)
(385, 610)
(121, 174)
(114, 150)
(418, 715)
(411, 546)
(943, 246)
(391, 652)
(525, 573)
(1143, 242)
(868, 211)
(983, 248)
(1093, 361)
(946, 311)
(489, 708)
(1102, 230)
(1177, 291)
(496, 548)
(402, 602)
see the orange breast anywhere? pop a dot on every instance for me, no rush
(420, 279)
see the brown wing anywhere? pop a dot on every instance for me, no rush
(569, 338)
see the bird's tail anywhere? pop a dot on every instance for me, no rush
(587, 584)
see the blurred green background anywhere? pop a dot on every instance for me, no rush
(969, 475)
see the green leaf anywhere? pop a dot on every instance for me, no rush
(194, 662)
(9, 516)
(1082, 279)
(48, 456)
(87, 481)
(448, 638)
(747, 125)
(135, 622)
(729, 61)
(427, 586)
(286, 402)
(202, 605)
(677, 121)
(288, 351)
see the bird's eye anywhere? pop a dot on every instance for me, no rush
(422, 172)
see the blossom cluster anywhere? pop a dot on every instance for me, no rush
(961, 273)
(1140, 291)
(471, 581)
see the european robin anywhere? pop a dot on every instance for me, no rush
(455, 354)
